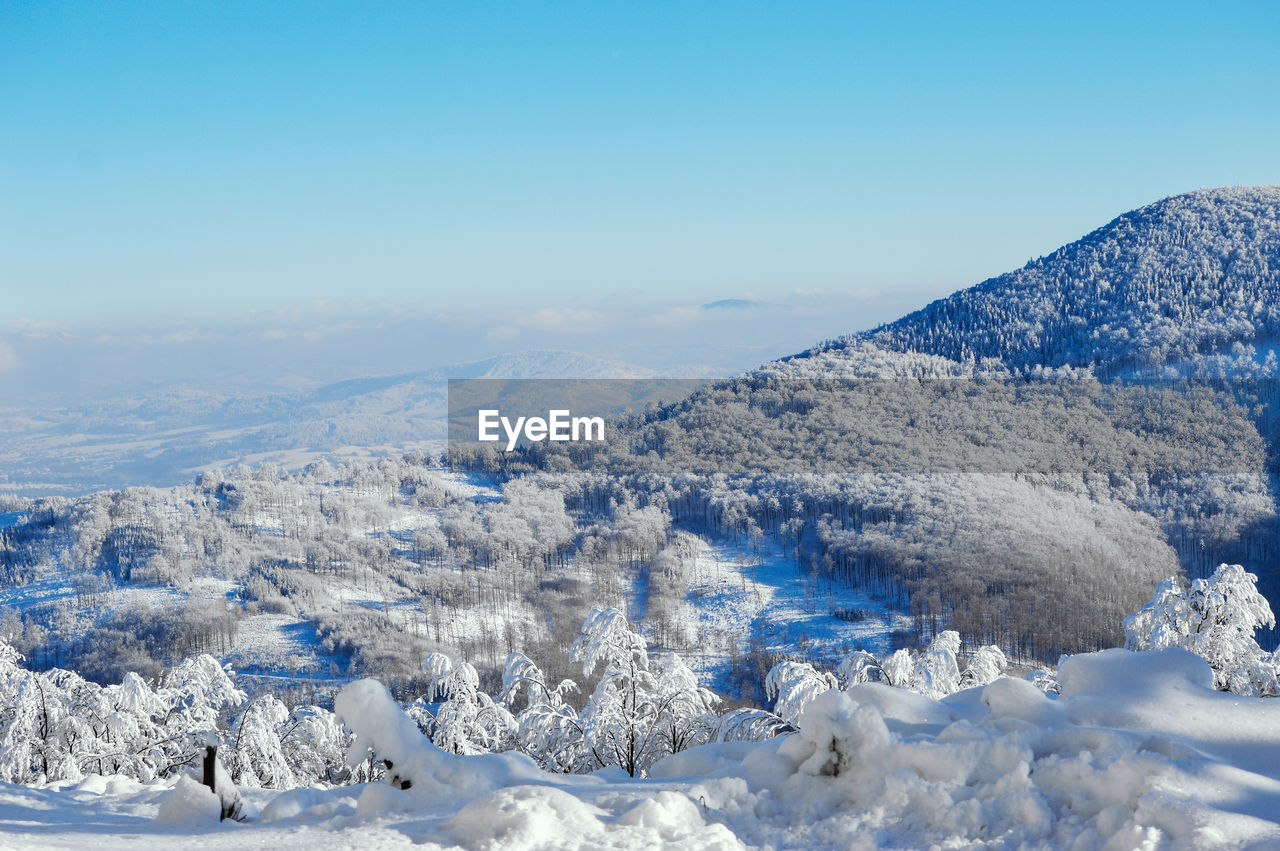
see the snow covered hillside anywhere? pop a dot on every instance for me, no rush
(738, 599)
(1178, 278)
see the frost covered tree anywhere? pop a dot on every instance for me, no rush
(934, 672)
(314, 743)
(56, 725)
(132, 730)
(937, 673)
(1216, 619)
(468, 720)
(548, 729)
(33, 725)
(684, 713)
(899, 668)
(640, 710)
(746, 724)
(986, 665)
(197, 693)
(254, 751)
(793, 686)
(859, 667)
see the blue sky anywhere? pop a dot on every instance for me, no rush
(187, 161)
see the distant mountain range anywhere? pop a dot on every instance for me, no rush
(164, 438)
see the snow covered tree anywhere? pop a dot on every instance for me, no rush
(933, 672)
(134, 731)
(468, 720)
(254, 754)
(33, 722)
(793, 686)
(1216, 619)
(547, 729)
(639, 712)
(899, 668)
(746, 724)
(196, 693)
(937, 673)
(986, 665)
(859, 667)
(314, 744)
(684, 711)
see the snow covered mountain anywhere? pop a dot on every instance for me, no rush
(1187, 276)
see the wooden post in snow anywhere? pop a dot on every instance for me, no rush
(211, 768)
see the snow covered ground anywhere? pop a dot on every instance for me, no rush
(278, 645)
(735, 595)
(1137, 752)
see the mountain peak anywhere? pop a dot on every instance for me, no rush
(1186, 276)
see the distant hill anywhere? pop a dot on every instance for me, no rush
(165, 437)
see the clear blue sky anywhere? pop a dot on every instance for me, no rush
(189, 159)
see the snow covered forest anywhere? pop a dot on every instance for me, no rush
(647, 716)
(1191, 282)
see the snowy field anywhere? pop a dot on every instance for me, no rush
(735, 595)
(1138, 751)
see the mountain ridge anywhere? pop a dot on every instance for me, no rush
(1185, 276)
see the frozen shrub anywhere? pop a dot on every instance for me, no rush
(1216, 619)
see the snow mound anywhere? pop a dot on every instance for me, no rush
(428, 775)
(1006, 765)
(526, 817)
(306, 804)
(189, 804)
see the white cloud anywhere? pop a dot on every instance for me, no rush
(560, 319)
(678, 315)
(499, 333)
(8, 357)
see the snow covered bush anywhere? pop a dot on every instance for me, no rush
(934, 672)
(985, 666)
(468, 720)
(547, 729)
(1216, 619)
(793, 686)
(640, 711)
(937, 673)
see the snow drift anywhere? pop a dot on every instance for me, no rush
(1138, 751)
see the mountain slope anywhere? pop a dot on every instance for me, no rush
(1185, 276)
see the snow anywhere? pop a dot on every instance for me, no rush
(190, 804)
(268, 644)
(735, 595)
(1137, 752)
